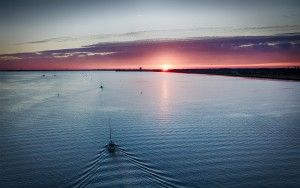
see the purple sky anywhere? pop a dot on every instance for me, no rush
(127, 34)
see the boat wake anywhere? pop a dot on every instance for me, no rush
(110, 169)
(158, 176)
(90, 169)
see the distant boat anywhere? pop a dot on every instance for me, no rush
(101, 86)
(111, 146)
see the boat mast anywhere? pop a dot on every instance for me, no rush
(109, 129)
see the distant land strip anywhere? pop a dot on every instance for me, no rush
(268, 73)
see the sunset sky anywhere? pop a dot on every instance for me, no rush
(65, 34)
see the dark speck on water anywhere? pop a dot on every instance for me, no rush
(186, 131)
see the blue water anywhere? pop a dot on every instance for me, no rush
(173, 130)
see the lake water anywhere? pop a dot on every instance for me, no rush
(173, 130)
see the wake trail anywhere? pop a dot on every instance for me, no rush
(89, 170)
(155, 175)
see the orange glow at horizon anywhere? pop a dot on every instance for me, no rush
(163, 59)
(165, 67)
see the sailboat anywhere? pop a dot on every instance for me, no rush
(111, 146)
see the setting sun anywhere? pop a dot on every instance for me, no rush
(165, 67)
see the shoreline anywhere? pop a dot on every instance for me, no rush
(264, 73)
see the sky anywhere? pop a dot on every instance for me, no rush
(91, 34)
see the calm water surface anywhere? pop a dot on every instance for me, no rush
(173, 130)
